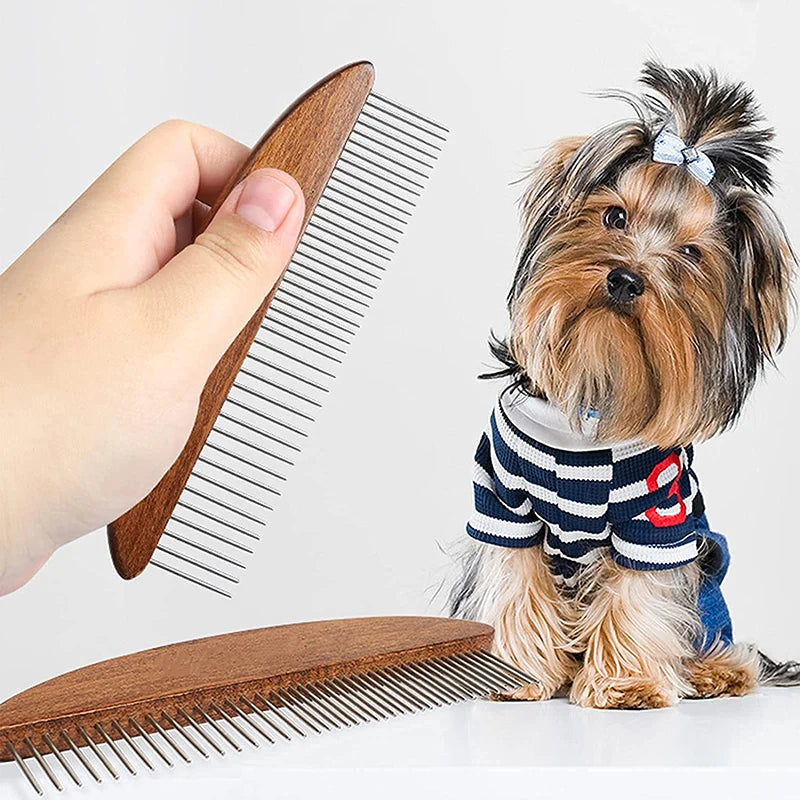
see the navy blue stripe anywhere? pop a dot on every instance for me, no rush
(575, 549)
(486, 502)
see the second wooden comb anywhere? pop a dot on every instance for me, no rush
(242, 688)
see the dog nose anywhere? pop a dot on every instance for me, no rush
(623, 285)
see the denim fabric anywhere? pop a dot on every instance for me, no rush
(714, 561)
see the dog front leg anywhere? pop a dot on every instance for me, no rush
(636, 629)
(513, 590)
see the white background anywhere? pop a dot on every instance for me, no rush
(386, 480)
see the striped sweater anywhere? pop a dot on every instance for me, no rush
(538, 482)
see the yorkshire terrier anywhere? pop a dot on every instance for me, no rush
(653, 285)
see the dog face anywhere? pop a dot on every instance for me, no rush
(643, 293)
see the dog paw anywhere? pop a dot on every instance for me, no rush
(731, 672)
(593, 690)
(530, 691)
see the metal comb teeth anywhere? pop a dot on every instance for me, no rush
(292, 362)
(285, 714)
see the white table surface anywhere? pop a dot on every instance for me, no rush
(745, 747)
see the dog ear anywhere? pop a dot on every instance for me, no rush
(543, 195)
(765, 263)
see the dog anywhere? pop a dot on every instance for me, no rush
(653, 286)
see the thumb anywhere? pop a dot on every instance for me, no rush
(211, 288)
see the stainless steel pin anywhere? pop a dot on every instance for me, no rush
(216, 446)
(371, 285)
(436, 684)
(260, 432)
(62, 759)
(408, 112)
(262, 716)
(343, 703)
(468, 669)
(493, 672)
(319, 218)
(357, 222)
(43, 764)
(397, 128)
(277, 319)
(279, 714)
(230, 489)
(222, 504)
(375, 696)
(310, 708)
(479, 686)
(288, 372)
(334, 290)
(311, 349)
(25, 769)
(81, 757)
(358, 694)
(268, 417)
(114, 749)
(167, 738)
(359, 131)
(522, 675)
(267, 399)
(398, 688)
(208, 550)
(233, 723)
(364, 155)
(275, 385)
(292, 281)
(187, 577)
(316, 251)
(414, 690)
(101, 756)
(332, 707)
(132, 744)
(385, 157)
(195, 563)
(442, 676)
(200, 731)
(219, 537)
(152, 742)
(180, 729)
(382, 691)
(247, 718)
(340, 170)
(381, 176)
(208, 515)
(415, 682)
(302, 714)
(347, 252)
(378, 209)
(218, 728)
(382, 200)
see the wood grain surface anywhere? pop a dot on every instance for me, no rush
(305, 142)
(220, 667)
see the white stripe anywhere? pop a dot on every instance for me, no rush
(501, 527)
(578, 536)
(628, 492)
(511, 482)
(590, 472)
(653, 554)
(482, 478)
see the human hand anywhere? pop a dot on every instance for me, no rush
(110, 324)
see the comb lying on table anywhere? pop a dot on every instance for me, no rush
(362, 161)
(246, 687)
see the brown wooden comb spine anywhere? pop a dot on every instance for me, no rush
(305, 142)
(219, 668)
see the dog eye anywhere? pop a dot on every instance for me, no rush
(691, 252)
(615, 217)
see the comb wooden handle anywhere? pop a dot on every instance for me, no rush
(218, 668)
(301, 145)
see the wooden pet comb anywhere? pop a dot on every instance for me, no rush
(362, 161)
(261, 685)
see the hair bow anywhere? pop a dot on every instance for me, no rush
(669, 148)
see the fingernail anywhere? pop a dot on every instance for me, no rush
(265, 201)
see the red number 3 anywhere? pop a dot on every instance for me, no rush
(659, 519)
